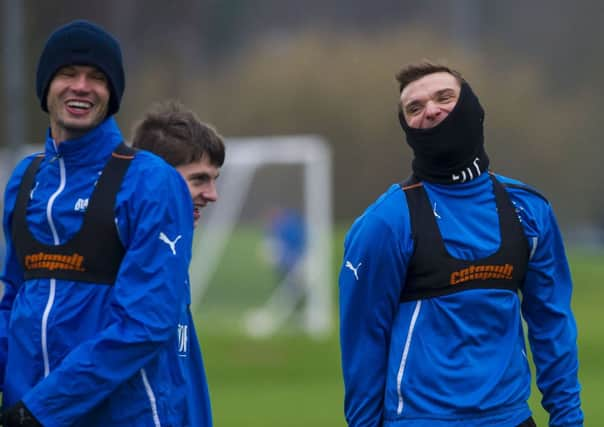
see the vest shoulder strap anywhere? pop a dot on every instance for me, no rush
(94, 253)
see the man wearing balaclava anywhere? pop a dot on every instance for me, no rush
(98, 241)
(438, 274)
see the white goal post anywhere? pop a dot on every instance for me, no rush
(244, 157)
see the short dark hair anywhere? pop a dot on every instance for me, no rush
(174, 133)
(413, 72)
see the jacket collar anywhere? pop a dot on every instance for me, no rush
(92, 147)
(466, 189)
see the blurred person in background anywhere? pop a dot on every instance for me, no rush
(98, 241)
(285, 243)
(197, 152)
(438, 274)
(283, 248)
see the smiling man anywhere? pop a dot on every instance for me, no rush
(98, 246)
(438, 275)
(197, 152)
(77, 101)
(429, 100)
(194, 148)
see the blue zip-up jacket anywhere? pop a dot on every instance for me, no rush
(82, 354)
(199, 410)
(457, 360)
(199, 413)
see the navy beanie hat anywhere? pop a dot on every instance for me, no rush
(82, 43)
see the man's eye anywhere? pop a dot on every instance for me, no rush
(66, 72)
(445, 97)
(199, 181)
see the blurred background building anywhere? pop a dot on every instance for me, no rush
(266, 67)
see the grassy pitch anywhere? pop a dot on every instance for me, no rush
(291, 380)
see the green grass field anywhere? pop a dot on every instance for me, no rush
(291, 380)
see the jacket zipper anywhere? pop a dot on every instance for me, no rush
(401, 369)
(53, 282)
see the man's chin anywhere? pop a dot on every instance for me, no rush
(88, 120)
(81, 125)
(74, 127)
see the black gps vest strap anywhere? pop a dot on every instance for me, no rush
(95, 252)
(434, 272)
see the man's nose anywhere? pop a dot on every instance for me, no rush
(211, 193)
(81, 83)
(432, 110)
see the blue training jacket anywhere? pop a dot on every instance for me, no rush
(457, 360)
(82, 354)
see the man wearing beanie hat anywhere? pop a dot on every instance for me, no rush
(430, 307)
(82, 43)
(98, 240)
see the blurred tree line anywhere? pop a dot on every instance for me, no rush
(265, 67)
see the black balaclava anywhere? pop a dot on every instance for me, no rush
(453, 151)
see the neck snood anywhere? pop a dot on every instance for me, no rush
(452, 151)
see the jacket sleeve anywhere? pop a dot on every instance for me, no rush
(552, 331)
(145, 302)
(370, 281)
(12, 273)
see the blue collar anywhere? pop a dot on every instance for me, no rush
(466, 189)
(92, 147)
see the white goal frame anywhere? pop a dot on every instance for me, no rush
(244, 157)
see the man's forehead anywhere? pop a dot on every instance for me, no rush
(429, 84)
(83, 67)
(201, 166)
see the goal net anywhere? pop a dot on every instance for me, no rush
(262, 252)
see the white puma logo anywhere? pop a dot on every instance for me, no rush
(172, 244)
(353, 268)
